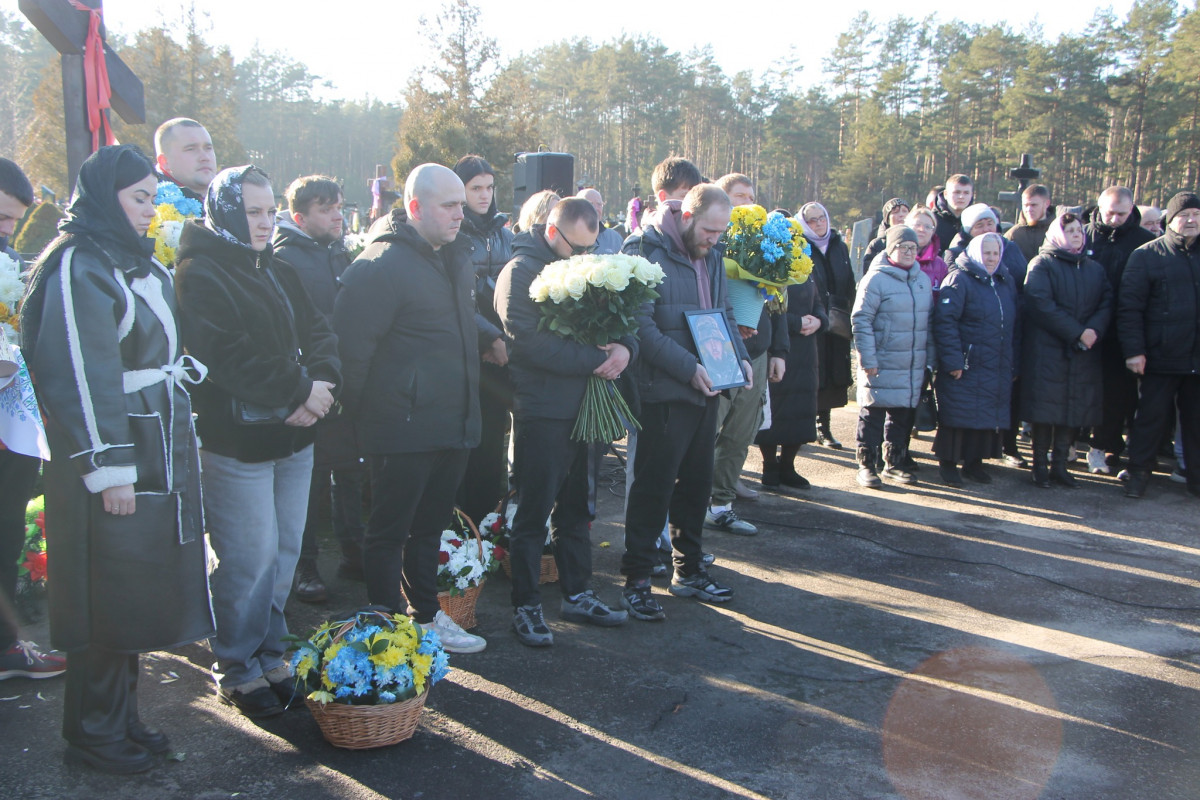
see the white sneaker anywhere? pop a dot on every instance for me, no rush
(455, 639)
(1096, 463)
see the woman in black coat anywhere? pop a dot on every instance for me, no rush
(124, 524)
(490, 243)
(835, 289)
(974, 329)
(1068, 305)
(794, 399)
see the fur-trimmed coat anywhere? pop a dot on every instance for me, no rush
(108, 369)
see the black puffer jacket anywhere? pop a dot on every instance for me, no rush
(550, 373)
(405, 320)
(1111, 247)
(254, 341)
(490, 246)
(975, 327)
(1061, 384)
(1158, 312)
(318, 266)
(948, 223)
(668, 355)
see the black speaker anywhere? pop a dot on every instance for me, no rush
(534, 172)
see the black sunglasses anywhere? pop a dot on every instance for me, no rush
(576, 250)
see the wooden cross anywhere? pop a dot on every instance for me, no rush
(66, 27)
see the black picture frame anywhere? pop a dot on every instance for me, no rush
(709, 326)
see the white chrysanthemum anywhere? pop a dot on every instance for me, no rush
(11, 289)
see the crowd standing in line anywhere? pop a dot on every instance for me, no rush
(414, 363)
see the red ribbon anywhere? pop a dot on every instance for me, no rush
(97, 89)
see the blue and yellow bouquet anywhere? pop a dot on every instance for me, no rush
(172, 210)
(768, 250)
(372, 658)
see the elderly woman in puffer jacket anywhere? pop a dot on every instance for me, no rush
(890, 324)
(974, 327)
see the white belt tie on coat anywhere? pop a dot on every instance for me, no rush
(183, 371)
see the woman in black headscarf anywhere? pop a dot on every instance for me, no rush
(483, 227)
(123, 512)
(272, 370)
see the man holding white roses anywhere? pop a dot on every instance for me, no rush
(673, 466)
(550, 378)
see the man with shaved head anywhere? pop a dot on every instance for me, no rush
(405, 320)
(184, 155)
(608, 241)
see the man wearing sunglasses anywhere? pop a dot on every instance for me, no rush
(550, 376)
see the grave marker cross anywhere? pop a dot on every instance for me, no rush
(66, 25)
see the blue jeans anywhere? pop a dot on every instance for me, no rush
(255, 517)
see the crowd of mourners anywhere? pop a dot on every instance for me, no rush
(288, 374)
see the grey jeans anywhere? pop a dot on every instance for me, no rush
(255, 517)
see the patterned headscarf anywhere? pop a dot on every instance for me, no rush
(224, 210)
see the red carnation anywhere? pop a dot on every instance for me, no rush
(499, 553)
(35, 565)
(40, 520)
(443, 557)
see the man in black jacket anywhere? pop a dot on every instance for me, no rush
(309, 238)
(948, 206)
(673, 467)
(1158, 321)
(550, 377)
(405, 320)
(1113, 233)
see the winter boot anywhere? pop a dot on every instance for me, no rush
(867, 474)
(893, 455)
(1041, 465)
(1064, 439)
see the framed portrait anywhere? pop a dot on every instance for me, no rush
(714, 344)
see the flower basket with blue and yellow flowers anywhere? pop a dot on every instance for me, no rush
(366, 678)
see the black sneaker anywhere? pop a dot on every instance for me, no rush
(700, 586)
(640, 603)
(257, 703)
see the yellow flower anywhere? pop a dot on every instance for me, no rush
(306, 664)
(389, 658)
(321, 697)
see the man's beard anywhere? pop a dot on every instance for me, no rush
(695, 249)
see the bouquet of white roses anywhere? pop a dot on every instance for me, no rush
(594, 300)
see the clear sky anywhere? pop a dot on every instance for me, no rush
(371, 47)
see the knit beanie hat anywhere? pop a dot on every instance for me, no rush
(900, 233)
(1178, 203)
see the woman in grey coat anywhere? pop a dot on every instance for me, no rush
(890, 324)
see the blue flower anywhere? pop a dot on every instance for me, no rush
(771, 251)
(430, 643)
(777, 228)
(441, 666)
(387, 697)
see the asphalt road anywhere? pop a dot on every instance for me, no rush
(993, 642)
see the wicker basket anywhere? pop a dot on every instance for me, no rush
(549, 567)
(547, 574)
(461, 607)
(364, 727)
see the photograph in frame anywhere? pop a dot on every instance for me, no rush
(710, 333)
